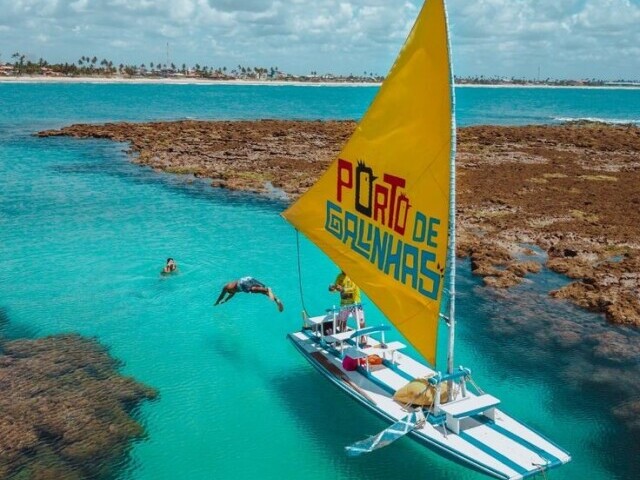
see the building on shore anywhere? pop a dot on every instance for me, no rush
(6, 70)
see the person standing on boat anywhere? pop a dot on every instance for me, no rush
(247, 285)
(349, 301)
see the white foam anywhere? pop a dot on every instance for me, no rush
(275, 193)
(613, 121)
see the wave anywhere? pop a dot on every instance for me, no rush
(613, 121)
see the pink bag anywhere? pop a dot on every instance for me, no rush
(349, 364)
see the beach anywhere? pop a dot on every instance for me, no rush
(176, 81)
(25, 79)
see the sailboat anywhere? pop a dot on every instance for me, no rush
(384, 212)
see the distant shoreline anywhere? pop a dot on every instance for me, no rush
(272, 83)
(180, 81)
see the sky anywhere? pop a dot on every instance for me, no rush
(519, 38)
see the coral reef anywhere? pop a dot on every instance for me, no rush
(570, 189)
(66, 412)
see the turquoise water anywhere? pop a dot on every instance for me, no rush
(84, 234)
(58, 104)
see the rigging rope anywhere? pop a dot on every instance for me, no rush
(304, 308)
(478, 389)
(542, 468)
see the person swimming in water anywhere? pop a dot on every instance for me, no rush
(247, 285)
(170, 267)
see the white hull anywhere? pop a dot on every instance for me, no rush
(495, 444)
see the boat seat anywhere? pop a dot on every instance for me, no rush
(340, 337)
(389, 348)
(355, 352)
(466, 407)
(319, 320)
(316, 324)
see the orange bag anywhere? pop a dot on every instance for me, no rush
(374, 360)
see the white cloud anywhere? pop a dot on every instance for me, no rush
(569, 38)
(573, 38)
(79, 5)
(118, 44)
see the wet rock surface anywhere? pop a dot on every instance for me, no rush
(598, 366)
(66, 413)
(570, 189)
(238, 155)
(630, 414)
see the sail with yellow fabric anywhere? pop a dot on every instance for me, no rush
(384, 213)
(381, 210)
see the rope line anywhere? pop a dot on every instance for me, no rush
(304, 308)
(478, 389)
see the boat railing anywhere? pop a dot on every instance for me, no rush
(370, 330)
(317, 323)
(460, 376)
(351, 306)
(439, 377)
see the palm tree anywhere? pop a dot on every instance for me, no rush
(19, 63)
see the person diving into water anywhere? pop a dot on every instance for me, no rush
(247, 285)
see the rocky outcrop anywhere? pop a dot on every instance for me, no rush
(241, 155)
(66, 412)
(571, 190)
(629, 413)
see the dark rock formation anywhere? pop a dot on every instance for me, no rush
(570, 189)
(65, 411)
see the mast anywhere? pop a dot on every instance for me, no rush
(402, 146)
(452, 214)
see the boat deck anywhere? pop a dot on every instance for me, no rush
(493, 443)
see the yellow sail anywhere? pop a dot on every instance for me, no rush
(381, 210)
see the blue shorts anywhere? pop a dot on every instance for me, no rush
(245, 284)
